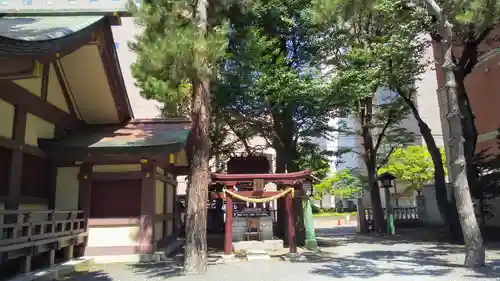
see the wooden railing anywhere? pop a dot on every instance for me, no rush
(400, 214)
(20, 229)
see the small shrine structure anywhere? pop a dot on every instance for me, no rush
(250, 188)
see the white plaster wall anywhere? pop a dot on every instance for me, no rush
(432, 214)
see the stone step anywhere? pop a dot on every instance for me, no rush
(257, 255)
(265, 245)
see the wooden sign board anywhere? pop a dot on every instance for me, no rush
(258, 185)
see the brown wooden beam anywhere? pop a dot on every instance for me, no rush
(111, 77)
(52, 185)
(17, 95)
(117, 175)
(148, 210)
(15, 67)
(45, 82)
(163, 217)
(16, 170)
(265, 194)
(25, 148)
(85, 189)
(119, 93)
(25, 200)
(61, 77)
(165, 201)
(114, 222)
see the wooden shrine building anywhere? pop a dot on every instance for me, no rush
(78, 174)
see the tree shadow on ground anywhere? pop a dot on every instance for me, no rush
(431, 257)
(171, 267)
(162, 269)
(328, 237)
(98, 275)
(369, 264)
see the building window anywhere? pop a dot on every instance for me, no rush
(387, 96)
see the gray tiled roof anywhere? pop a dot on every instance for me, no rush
(43, 7)
(43, 28)
(35, 35)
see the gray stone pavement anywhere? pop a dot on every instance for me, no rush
(348, 257)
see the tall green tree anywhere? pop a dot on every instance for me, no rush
(345, 183)
(177, 52)
(475, 20)
(412, 165)
(353, 47)
(267, 82)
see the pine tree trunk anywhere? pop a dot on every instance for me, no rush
(199, 155)
(475, 253)
(198, 149)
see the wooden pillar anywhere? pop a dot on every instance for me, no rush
(52, 186)
(175, 222)
(292, 241)
(165, 203)
(14, 185)
(26, 264)
(228, 233)
(85, 189)
(52, 257)
(146, 232)
(69, 252)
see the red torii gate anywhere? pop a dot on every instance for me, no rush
(292, 180)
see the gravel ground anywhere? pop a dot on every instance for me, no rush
(352, 259)
(346, 256)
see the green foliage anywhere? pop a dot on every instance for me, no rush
(268, 85)
(311, 156)
(171, 53)
(413, 165)
(344, 183)
(373, 48)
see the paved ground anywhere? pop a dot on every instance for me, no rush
(348, 257)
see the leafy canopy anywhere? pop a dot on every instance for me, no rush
(412, 164)
(344, 183)
(171, 52)
(268, 85)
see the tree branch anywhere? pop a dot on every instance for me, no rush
(382, 133)
(386, 159)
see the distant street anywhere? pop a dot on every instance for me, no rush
(328, 227)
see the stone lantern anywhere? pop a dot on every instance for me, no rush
(388, 180)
